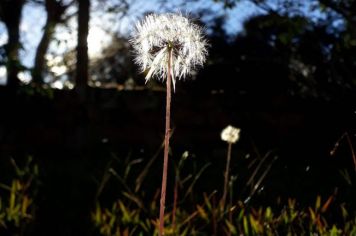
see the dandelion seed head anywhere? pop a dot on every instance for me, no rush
(230, 134)
(156, 35)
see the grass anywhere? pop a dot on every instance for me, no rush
(17, 208)
(128, 192)
(134, 212)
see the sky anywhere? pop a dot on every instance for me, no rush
(34, 19)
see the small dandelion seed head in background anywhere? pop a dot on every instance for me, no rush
(230, 134)
(156, 35)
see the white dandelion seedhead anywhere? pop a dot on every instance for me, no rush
(159, 36)
(230, 134)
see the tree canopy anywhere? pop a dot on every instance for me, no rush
(291, 47)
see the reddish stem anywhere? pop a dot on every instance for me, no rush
(352, 149)
(166, 146)
(226, 176)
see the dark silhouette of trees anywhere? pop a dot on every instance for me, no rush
(286, 49)
(81, 78)
(285, 53)
(55, 10)
(115, 66)
(10, 14)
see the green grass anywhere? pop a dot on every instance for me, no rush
(133, 212)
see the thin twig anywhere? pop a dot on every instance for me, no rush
(351, 148)
(262, 177)
(196, 177)
(346, 134)
(251, 179)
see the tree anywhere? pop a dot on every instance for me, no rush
(81, 78)
(55, 10)
(10, 14)
(304, 47)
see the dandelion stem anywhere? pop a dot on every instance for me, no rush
(166, 145)
(223, 199)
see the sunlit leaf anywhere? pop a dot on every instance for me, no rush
(291, 203)
(112, 220)
(202, 213)
(98, 214)
(268, 213)
(312, 214)
(245, 225)
(185, 232)
(255, 225)
(344, 212)
(335, 231)
(231, 227)
(241, 214)
(25, 203)
(13, 195)
(207, 201)
(125, 214)
(317, 203)
(327, 204)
